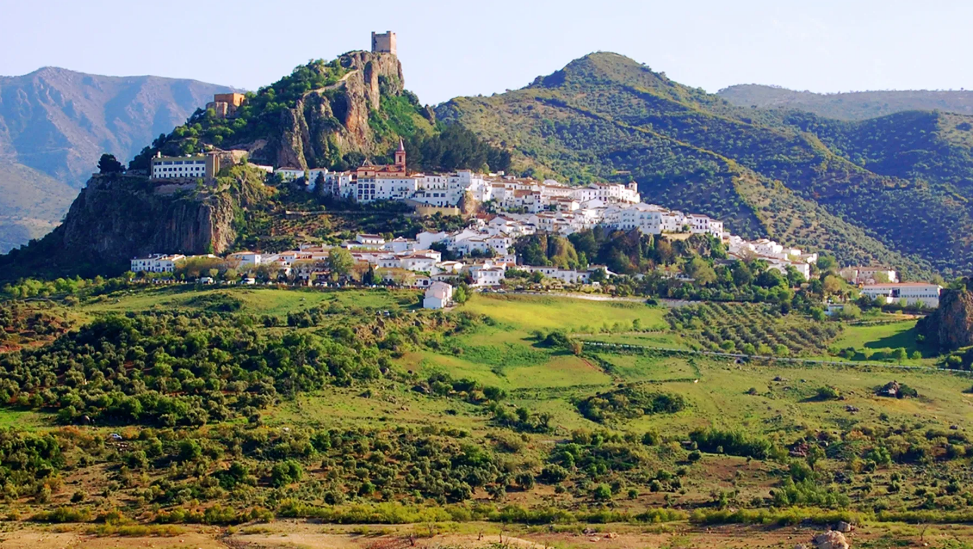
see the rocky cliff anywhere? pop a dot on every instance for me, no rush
(116, 218)
(329, 122)
(951, 325)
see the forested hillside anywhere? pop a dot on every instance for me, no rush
(607, 117)
(851, 105)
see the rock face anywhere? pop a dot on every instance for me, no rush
(951, 325)
(116, 218)
(332, 121)
(114, 221)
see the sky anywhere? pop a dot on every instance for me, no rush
(454, 48)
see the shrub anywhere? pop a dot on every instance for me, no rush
(828, 393)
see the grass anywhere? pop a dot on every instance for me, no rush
(529, 313)
(879, 336)
(774, 400)
(258, 301)
(28, 420)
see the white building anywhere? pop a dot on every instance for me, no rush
(367, 241)
(171, 167)
(567, 276)
(246, 259)
(400, 244)
(156, 263)
(426, 239)
(438, 296)
(378, 187)
(488, 274)
(912, 292)
(869, 275)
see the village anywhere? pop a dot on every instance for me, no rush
(482, 254)
(501, 209)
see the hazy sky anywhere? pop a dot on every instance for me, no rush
(451, 48)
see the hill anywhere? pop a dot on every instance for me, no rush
(324, 114)
(58, 122)
(605, 116)
(850, 105)
(31, 204)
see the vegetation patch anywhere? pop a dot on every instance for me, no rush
(629, 402)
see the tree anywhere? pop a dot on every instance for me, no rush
(340, 261)
(827, 264)
(832, 285)
(850, 311)
(598, 275)
(360, 270)
(108, 164)
(742, 275)
(701, 271)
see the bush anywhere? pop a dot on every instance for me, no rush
(828, 393)
(734, 443)
(602, 493)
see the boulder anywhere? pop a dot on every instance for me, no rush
(830, 540)
(844, 527)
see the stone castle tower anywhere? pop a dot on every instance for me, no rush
(383, 43)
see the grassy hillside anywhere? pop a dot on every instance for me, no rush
(234, 404)
(33, 203)
(850, 105)
(606, 117)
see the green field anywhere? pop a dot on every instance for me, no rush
(529, 313)
(328, 380)
(507, 355)
(879, 336)
(259, 301)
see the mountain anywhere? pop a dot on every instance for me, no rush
(851, 105)
(58, 122)
(31, 204)
(765, 173)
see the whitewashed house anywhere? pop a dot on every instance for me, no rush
(912, 292)
(439, 295)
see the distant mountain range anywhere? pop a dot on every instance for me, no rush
(55, 123)
(851, 105)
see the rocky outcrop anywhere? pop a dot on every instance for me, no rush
(116, 218)
(330, 122)
(951, 325)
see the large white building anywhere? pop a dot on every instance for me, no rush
(156, 263)
(567, 276)
(169, 167)
(912, 292)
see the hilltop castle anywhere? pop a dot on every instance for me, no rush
(383, 43)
